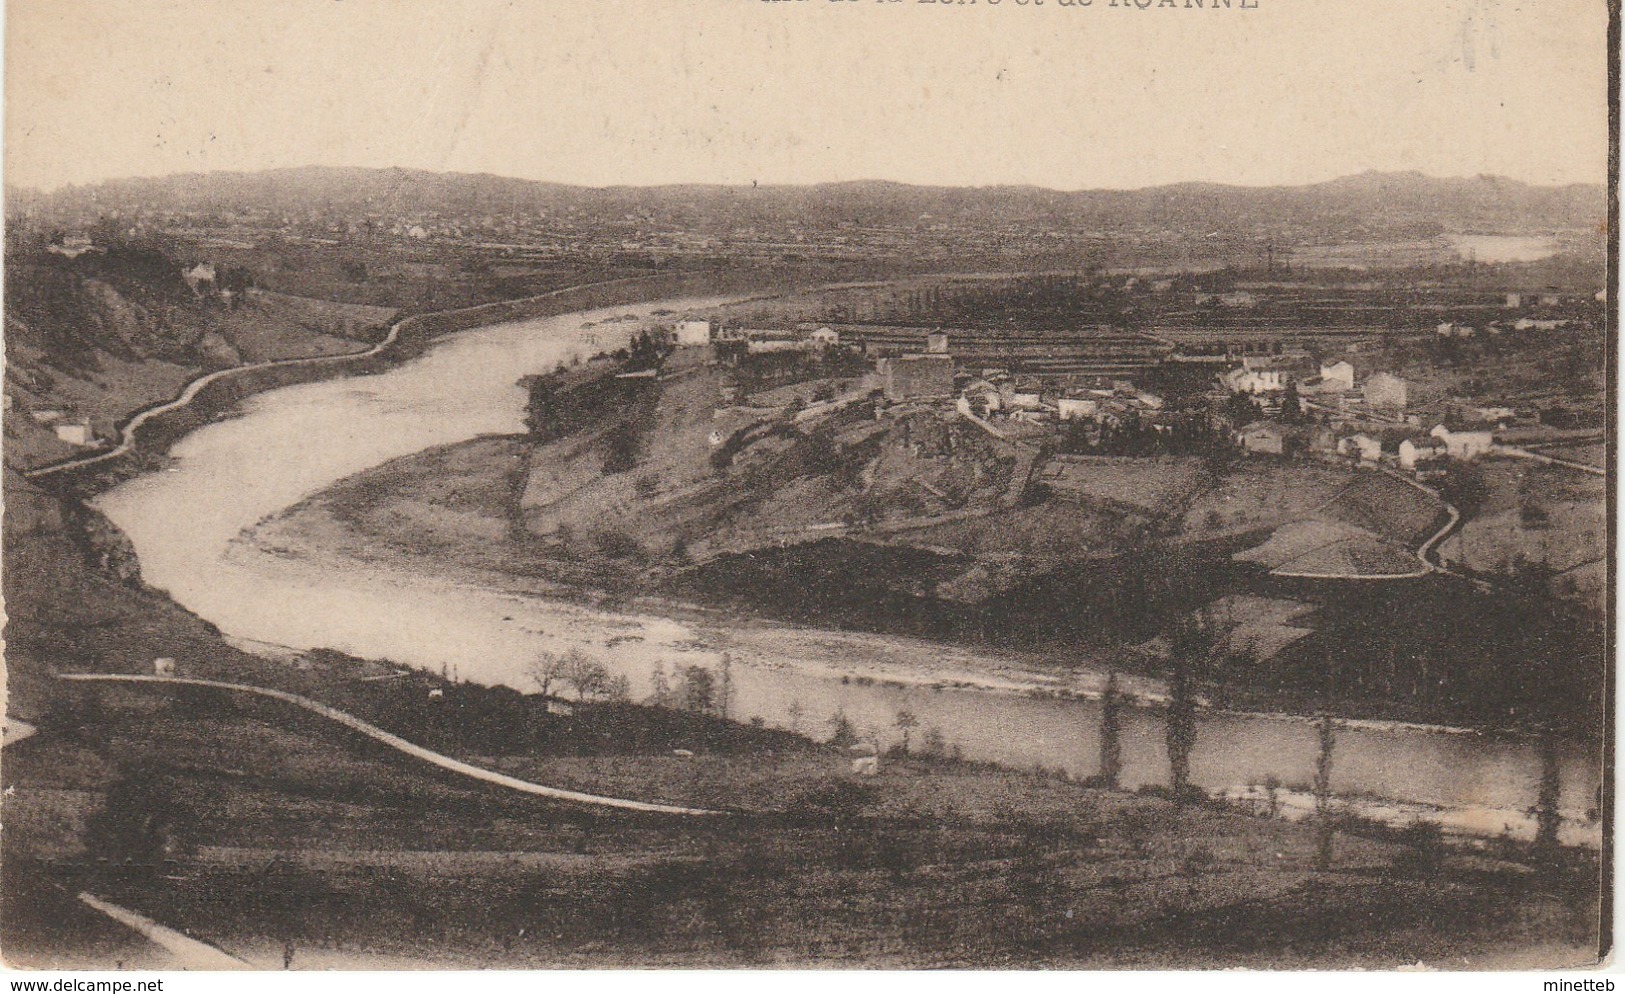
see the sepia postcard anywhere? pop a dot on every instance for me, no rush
(816, 484)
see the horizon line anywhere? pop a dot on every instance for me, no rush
(752, 185)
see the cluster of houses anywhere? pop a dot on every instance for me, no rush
(1367, 420)
(1334, 386)
(995, 393)
(695, 332)
(1415, 448)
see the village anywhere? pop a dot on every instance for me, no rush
(1106, 393)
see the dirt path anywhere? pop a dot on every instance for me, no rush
(127, 434)
(401, 745)
(188, 953)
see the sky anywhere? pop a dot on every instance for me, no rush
(608, 92)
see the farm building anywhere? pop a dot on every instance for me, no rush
(1077, 407)
(75, 432)
(693, 333)
(1420, 451)
(1464, 443)
(1340, 374)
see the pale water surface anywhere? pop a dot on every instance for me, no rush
(291, 443)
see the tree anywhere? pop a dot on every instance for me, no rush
(841, 731)
(1323, 795)
(661, 694)
(586, 676)
(546, 672)
(725, 690)
(1111, 745)
(906, 722)
(795, 712)
(1193, 642)
(698, 692)
(1291, 405)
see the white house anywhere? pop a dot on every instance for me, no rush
(1245, 379)
(693, 333)
(1072, 408)
(1413, 452)
(1464, 444)
(936, 343)
(1339, 373)
(75, 432)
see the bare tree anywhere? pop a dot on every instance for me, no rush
(546, 671)
(587, 676)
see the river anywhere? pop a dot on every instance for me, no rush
(285, 445)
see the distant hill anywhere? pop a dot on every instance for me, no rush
(1368, 205)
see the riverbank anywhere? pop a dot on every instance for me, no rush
(408, 867)
(148, 432)
(276, 833)
(453, 514)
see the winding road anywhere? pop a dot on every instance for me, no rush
(127, 434)
(399, 744)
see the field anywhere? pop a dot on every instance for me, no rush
(1546, 516)
(1391, 508)
(282, 835)
(1254, 494)
(1156, 486)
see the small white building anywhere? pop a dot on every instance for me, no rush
(1025, 398)
(689, 333)
(1247, 379)
(75, 432)
(1464, 444)
(1415, 452)
(1338, 373)
(823, 338)
(936, 343)
(1076, 408)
